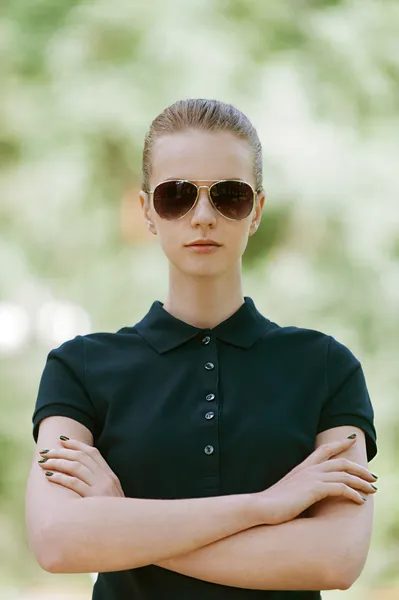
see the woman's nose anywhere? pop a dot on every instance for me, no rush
(203, 210)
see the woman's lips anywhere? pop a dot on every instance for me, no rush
(203, 248)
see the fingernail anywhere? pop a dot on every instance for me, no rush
(350, 437)
(42, 460)
(373, 486)
(64, 437)
(363, 498)
(48, 473)
(44, 451)
(375, 476)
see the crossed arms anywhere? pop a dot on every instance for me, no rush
(213, 539)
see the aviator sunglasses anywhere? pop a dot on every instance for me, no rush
(232, 198)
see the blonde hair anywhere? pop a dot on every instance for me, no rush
(208, 115)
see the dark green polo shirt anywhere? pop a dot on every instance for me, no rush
(183, 412)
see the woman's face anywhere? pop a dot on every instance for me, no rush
(209, 156)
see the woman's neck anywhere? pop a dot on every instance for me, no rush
(204, 301)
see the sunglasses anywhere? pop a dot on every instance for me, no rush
(232, 198)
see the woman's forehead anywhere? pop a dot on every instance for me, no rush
(213, 143)
(196, 159)
(204, 181)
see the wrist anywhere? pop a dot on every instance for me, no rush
(263, 509)
(254, 509)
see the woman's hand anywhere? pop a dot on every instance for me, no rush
(317, 477)
(81, 468)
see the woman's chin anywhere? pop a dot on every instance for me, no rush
(202, 269)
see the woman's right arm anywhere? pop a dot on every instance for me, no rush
(70, 534)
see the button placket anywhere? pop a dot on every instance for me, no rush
(209, 366)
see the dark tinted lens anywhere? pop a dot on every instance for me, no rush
(233, 199)
(173, 199)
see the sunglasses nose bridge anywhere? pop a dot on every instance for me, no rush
(208, 193)
(200, 210)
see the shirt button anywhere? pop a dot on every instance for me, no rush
(209, 366)
(206, 340)
(210, 397)
(209, 415)
(208, 449)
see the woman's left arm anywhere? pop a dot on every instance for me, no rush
(327, 550)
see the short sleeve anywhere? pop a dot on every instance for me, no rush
(62, 388)
(348, 401)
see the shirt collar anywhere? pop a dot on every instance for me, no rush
(163, 331)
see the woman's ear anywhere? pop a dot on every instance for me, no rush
(254, 226)
(151, 227)
(145, 205)
(258, 213)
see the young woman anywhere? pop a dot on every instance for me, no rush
(213, 452)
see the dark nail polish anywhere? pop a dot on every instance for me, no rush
(64, 437)
(44, 451)
(48, 473)
(373, 486)
(350, 437)
(42, 460)
(363, 498)
(375, 476)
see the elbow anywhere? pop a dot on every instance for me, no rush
(344, 583)
(348, 578)
(47, 551)
(343, 575)
(344, 562)
(48, 564)
(61, 549)
(338, 580)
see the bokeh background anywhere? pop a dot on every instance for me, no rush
(80, 83)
